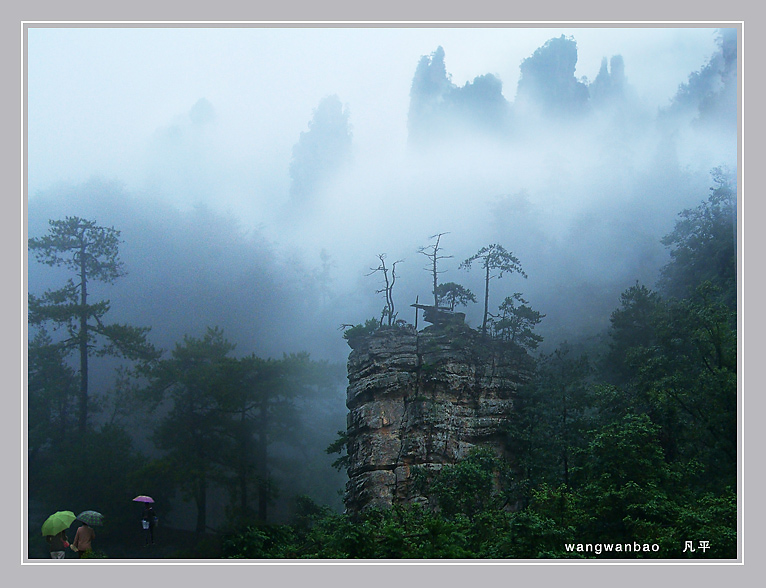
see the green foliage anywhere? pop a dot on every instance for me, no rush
(625, 452)
(52, 390)
(261, 542)
(472, 485)
(191, 432)
(90, 472)
(638, 449)
(675, 360)
(90, 252)
(529, 535)
(223, 415)
(703, 244)
(454, 295)
(94, 554)
(81, 246)
(631, 328)
(307, 512)
(398, 533)
(340, 445)
(553, 413)
(690, 379)
(466, 528)
(649, 438)
(516, 323)
(633, 497)
(362, 330)
(496, 261)
(711, 518)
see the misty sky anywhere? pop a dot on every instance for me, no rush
(583, 206)
(97, 96)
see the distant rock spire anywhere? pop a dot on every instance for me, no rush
(322, 150)
(440, 110)
(547, 85)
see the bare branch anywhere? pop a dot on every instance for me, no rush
(432, 253)
(388, 309)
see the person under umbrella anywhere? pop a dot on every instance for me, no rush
(54, 530)
(83, 539)
(58, 544)
(148, 521)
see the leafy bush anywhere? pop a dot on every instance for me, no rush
(368, 328)
(94, 554)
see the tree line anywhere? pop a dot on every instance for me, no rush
(211, 419)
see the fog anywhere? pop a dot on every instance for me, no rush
(187, 140)
(257, 173)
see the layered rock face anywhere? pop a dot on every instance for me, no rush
(423, 399)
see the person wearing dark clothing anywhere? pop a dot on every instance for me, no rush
(58, 544)
(148, 521)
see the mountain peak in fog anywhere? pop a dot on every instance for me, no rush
(438, 107)
(441, 110)
(548, 83)
(322, 150)
(202, 112)
(710, 94)
(610, 83)
(548, 91)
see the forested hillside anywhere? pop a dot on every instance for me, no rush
(626, 451)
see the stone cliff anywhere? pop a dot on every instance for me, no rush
(423, 399)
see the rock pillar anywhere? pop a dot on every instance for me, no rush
(423, 399)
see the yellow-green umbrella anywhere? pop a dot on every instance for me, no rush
(58, 521)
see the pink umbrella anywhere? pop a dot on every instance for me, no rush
(143, 498)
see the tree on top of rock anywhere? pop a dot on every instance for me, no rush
(432, 253)
(495, 261)
(453, 295)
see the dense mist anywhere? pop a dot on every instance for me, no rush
(273, 236)
(579, 180)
